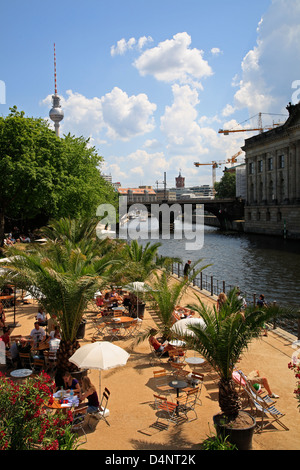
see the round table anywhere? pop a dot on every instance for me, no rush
(178, 385)
(194, 361)
(21, 373)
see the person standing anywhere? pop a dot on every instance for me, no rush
(187, 268)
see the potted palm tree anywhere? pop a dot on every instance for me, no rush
(166, 293)
(226, 334)
(66, 274)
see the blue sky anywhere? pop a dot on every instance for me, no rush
(152, 82)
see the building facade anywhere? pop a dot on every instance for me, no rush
(273, 179)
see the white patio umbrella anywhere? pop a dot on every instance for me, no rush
(137, 287)
(181, 327)
(101, 355)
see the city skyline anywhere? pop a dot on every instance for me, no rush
(151, 83)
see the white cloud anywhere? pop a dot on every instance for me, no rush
(269, 69)
(127, 116)
(123, 46)
(179, 124)
(116, 115)
(228, 110)
(173, 60)
(216, 51)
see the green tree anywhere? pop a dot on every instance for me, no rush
(43, 175)
(226, 186)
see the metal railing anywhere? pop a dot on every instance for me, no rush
(213, 286)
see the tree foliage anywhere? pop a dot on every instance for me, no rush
(226, 186)
(42, 174)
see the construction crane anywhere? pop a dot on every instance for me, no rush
(259, 127)
(216, 165)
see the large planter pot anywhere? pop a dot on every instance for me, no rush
(81, 330)
(239, 433)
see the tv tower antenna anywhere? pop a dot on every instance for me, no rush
(56, 113)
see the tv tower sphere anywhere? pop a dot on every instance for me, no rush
(56, 114)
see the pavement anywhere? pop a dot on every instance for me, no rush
(132, 416)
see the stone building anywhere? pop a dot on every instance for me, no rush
(273, 179)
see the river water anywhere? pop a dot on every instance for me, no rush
(256, 263)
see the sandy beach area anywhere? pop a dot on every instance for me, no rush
(132, 415)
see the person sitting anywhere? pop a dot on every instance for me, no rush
(70, 383)
(222, 299)
(54, 342)
(38, 334)
(42, 317)
(6, 337)
(164, 347)
(2, 316)
(88, 391)
(255, 378)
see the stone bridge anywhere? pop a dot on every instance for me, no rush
(226, 210)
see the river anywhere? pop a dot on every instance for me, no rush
(256, 263)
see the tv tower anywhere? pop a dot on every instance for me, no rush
(56, 113)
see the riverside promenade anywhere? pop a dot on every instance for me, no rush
(132, 416)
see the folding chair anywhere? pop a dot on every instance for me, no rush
(38, 365)
(188, 402)
(99, 329)
(25, 359)
(50, 360)
(168, 408)
(266, 410)
(196, 380)
(103, 411)
(156, 355)
(177, 355)
(161, 382)
(249, 387)
(79, 415)
(178, 370)
(114, 331)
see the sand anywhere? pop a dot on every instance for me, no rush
(132, 416)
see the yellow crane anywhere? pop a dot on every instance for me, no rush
(259, 127)
(216, 165)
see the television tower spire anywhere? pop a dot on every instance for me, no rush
(56, 113)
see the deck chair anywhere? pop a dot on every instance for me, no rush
(188, 402)
(161, 382)
(248, 386)
(25, 359)
(79, 415)
(103, 411)
(168, 408)
(156, 355)
(268, 413)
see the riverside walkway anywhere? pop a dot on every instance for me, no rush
(132, 416)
